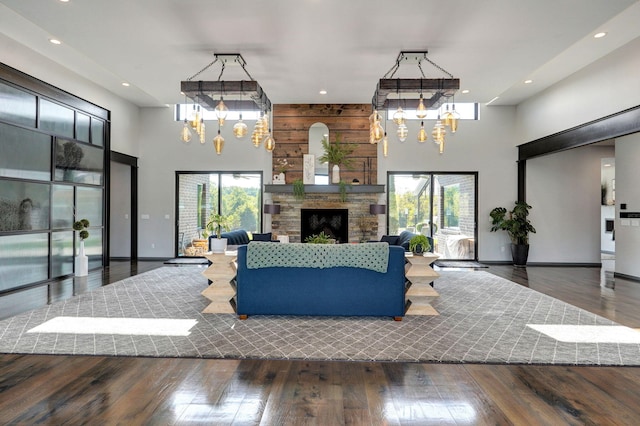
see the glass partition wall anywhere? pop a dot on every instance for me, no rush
(236, 195)
(52, 173)
(439, 205)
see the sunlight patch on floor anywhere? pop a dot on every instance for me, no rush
(125, 326)
(588, 333)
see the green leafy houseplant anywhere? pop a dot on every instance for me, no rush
(337, 152)
(298, 189)
(343, 191)
(515, 222)
(217, 223)
(82, 225)
(419, 244)
(320, 238)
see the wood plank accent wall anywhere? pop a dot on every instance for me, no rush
(291, 123)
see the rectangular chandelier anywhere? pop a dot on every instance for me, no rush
(407, 91)
(242, 95)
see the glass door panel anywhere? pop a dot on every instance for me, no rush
(441, 206)
(456, 222)
(236, 195)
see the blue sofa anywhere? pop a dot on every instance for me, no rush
(306, 290)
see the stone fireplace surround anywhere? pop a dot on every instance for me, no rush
(362, 225)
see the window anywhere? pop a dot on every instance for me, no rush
(467, 111)
(235, 195)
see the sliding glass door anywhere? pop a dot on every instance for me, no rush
(440, 205)
(235, 195)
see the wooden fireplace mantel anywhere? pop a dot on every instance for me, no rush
(325, 189)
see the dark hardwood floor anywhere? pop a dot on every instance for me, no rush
(114, 390)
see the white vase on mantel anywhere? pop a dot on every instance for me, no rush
(335, 174)
(81, 262)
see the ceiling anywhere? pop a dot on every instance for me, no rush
(295, 48)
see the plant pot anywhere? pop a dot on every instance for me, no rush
(520, 253)
(335, 174)
(81, 262)
(218, 245)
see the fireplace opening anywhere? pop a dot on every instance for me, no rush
(333, 222)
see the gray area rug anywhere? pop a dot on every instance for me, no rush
(483, 319)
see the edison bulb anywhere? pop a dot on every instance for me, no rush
(269, 143)
(240, 128)
(221, 111)
(402, 132)
(378, 132)
(422, 134)
(421, 111)
(385, 145)
(185, 133)
(256, 139)
(399, 116)
(202, 133)
(218, 143)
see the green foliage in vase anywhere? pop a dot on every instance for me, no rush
(337, 152)
(82, 225)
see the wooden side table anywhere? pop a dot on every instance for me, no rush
(221, 292)
(421, 292)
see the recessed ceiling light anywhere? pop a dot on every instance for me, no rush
(64, 1)
(54, 41)
(125, 84)
(465, 91)
(323, 92)
(528, 81)
(599, 35)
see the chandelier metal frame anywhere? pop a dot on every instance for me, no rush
(208, 93)
(435, 91)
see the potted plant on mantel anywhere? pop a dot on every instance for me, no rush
(337, 153)
(216, 223)
(518, 226)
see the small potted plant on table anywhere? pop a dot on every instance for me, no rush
(216, 223)
(418, 244)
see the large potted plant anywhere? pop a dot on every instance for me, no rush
(518, 226)
(337, 153)
(217, 223)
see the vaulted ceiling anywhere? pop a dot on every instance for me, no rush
(295, 48)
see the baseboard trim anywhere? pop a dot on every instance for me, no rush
(159, 259)
(626, 277)
(555, 264)
(563, 264)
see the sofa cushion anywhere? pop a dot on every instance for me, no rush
(261, 237)
(392, 240)
(234, 238)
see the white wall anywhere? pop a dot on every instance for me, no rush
(162, 154)
(120, 212)
(124, 115)
(564, 190)
(627, 178)
(485, 146)
(605, 87)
